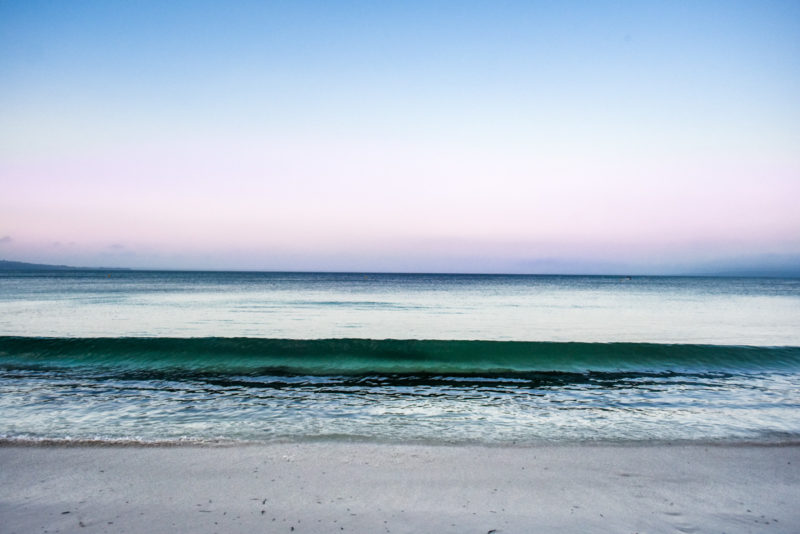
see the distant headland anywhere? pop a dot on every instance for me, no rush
(6, 265)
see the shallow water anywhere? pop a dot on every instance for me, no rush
(722, 311)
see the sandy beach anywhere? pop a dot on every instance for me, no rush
(358, 487)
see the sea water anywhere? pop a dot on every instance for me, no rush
(243, 357)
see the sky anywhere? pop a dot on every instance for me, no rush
(520, 137)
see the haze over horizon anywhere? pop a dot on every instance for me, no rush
(516, 137)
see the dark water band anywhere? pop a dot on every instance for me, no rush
(387, 356)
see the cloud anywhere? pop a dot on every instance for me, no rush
(116, 246)
(5, 239)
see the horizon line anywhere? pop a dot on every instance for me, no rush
(750, 273)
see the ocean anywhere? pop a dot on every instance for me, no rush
(229, 357)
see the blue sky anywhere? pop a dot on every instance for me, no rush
(419, 136)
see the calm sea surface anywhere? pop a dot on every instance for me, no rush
(174, 356)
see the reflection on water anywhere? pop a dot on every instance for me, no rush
(729, 311)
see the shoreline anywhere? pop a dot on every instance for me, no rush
(70, 443)
(222, 444)
(336, 486)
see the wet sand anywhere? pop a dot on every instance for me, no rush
(373, 488)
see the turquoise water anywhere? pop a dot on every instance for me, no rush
(150, 356)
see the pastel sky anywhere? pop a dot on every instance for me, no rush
(400, 136)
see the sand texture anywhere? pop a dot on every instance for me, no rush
(357, 487)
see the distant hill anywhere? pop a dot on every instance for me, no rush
(6, 265)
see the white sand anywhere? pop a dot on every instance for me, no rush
(340, 487)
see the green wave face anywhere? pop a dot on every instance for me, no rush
(389, 356)
(249, 389)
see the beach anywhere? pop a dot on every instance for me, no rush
(317, 402)
(322, 487)
(399, 267)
